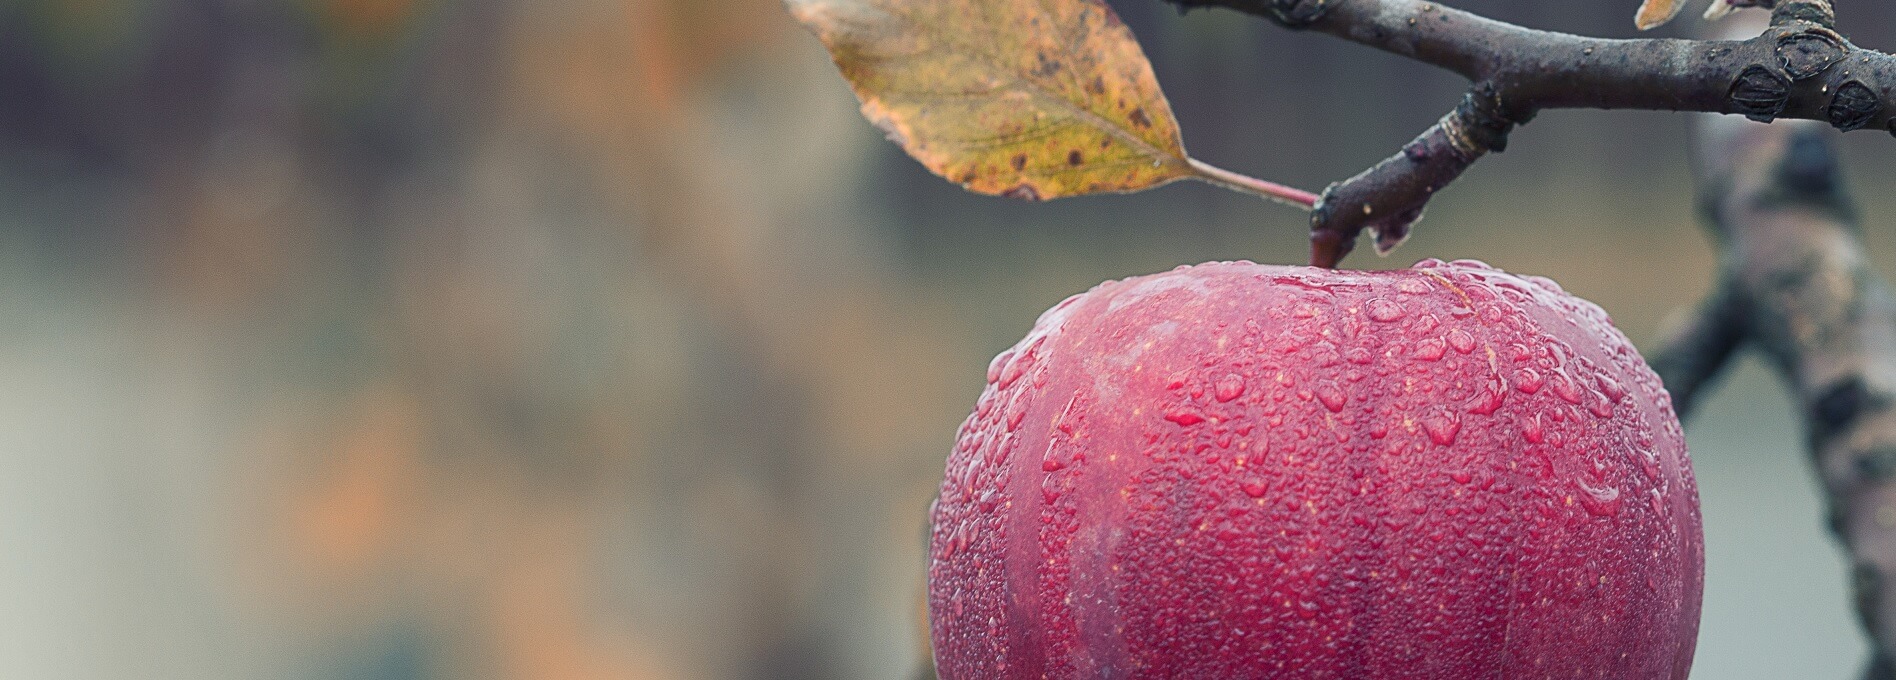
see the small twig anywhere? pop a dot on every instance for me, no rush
(1800, 68)
(1694, 354)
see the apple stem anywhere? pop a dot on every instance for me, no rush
(1291, 196)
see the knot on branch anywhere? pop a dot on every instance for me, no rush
(1300, 13)
(1479, 125)
(1853, 107)
(1807, 54)
(1759, 94)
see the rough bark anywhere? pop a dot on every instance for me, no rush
(1800, 68)
(1795, 285)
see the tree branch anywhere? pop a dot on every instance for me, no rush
(1800, 68)
(1795, 285)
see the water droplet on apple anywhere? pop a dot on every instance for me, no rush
(1603, 501)
(1229, 387)
(1528, 380)
(1308, 610)
(1184, 418)
(1442, 426)
(1383, 310)
(1461, 341)
(1564, 387)
(1254, 487)
(1532, 430)
(1430, 349)
(1490, 398)
(1331, 396)
(1426, 263)
(994, 367)
(1610, 388)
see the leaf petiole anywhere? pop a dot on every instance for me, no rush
(1211, 174)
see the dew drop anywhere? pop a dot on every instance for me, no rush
(1012, 371)
(1490, 398)
(1442, 426)
(1564, 387)
(1427, 262)
(1359, 356)
(1413, 286)
(985, 405)
(1610, 387)
(1601, 408)
(1016, 412)
(1308, 610)
(1184, 418)
(1331, 396)
(1532, 430)
(1430, 349)
(1473, 264)
(994, 367)
(1601, 501)
(1383, 310)
(1254, 488)
(1461, 476)
(1229, 387)
(1528, 380)
(1461, 341)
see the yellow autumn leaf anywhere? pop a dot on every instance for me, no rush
(1032, 99)
(1655, 13)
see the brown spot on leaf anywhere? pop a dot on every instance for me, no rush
(989, 149)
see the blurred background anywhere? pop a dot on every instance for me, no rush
(413, 339)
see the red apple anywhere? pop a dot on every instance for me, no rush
(1244, 471)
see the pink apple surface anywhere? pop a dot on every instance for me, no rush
(1241, 471)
